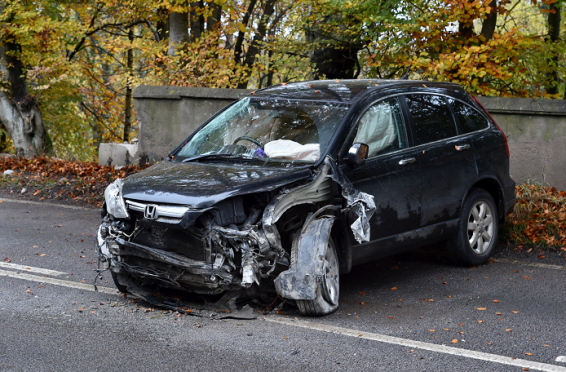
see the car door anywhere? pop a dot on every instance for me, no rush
(447, 160)
(390, 173)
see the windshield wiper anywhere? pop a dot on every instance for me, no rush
(213, 156)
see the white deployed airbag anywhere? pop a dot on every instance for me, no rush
(287, 149)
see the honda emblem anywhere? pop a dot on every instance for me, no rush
(150, 211)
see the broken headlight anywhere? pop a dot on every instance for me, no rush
(114, 201)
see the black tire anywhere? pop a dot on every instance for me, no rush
(327, 292)
(121, 288)
(477, 230)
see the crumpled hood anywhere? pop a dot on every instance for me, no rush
(202, 185)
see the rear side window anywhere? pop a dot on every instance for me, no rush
(469, 118)
(432, 118)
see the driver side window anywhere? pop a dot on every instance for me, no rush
(381, 128)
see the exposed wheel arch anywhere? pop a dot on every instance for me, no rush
(494, 188)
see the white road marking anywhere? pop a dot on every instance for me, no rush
(46, 204)
(533, 264)
(31, 269)
(64, 283)
(561, 359)
(420, 345)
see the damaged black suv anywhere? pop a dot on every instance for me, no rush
(291, 186)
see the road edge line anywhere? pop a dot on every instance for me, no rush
(7, 200)
(59, 282)
(420, 345)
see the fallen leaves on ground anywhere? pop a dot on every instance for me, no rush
(539, 217)
(81, 182)
(481, 308)
(454, 341)
(495, 301)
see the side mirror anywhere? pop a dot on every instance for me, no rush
(358, 153)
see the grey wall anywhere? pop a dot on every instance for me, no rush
(168, 115)
(536, 129)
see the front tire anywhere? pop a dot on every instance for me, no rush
(477, 230)
(328, 290)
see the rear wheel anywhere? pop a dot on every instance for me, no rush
(477, 230)
(328, 289)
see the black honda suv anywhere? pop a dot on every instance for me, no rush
(291, 186)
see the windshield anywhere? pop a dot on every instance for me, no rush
(271, 130)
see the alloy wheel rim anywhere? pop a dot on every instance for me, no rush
(480, 227)
(331, 286)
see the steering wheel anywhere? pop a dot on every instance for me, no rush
(248, 139)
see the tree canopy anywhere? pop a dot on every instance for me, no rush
(77, 62)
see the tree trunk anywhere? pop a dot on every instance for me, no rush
(259, 36)
(20, 115)
(336, 63)
(178, 31)
(238, 48)
(128, 108)
(490, 22)
(197, 20)
(553, 36)
(213, 21)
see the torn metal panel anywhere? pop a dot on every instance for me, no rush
(307, 268)
(360, 204)
(319, 190)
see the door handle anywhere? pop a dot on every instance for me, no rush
(462, 147)
(407, 161)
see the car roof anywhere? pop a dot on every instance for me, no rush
(350, 90)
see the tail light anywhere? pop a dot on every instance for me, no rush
(494, 122)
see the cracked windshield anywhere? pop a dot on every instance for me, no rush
(269, 130)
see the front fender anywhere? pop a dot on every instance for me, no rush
(300, 281)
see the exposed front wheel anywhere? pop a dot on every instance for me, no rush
(477, 230)
(327, 289)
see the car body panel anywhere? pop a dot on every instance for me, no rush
(202, 185)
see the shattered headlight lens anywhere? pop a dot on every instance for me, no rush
(114, 201)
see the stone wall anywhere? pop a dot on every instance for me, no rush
(536, 129)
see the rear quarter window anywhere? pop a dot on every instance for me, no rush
(469, 118)
(432, 119)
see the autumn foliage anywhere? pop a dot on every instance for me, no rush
(539, 217)
(57, 179)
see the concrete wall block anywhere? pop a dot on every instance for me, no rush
(119, 154)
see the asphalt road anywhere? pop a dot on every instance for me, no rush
(395, 314)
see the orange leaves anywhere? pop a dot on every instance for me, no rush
(539, 217)
(454, 341)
